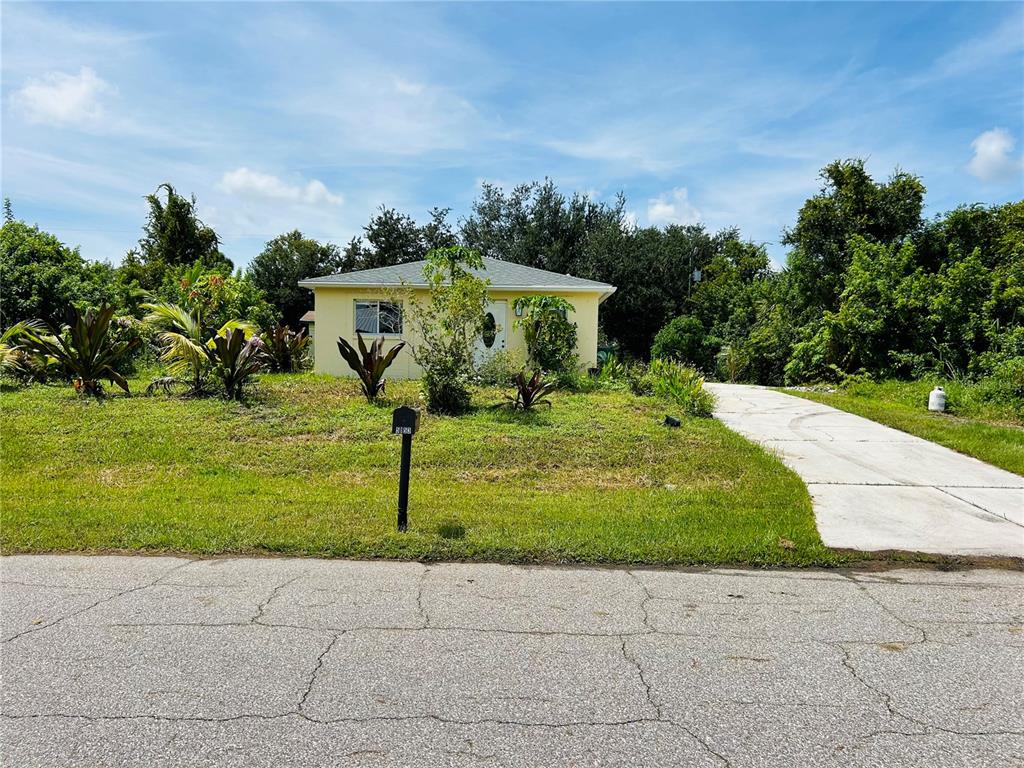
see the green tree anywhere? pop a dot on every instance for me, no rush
(447, 325)
(40, 276)
(850, 203)
(173, 236)
(286, 260)
(536, 225)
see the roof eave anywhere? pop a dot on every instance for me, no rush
(604, 290)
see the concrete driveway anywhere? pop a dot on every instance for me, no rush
(119, 661)
(876, 488)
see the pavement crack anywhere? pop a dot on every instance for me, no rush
(316, 671)
(101, 601)
(648, 691)
(420, 607)
(648, 596)
(273, 593)
(704, 744)
(887, 610)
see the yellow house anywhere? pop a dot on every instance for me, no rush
(369, 301)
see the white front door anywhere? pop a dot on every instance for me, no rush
(494, 336)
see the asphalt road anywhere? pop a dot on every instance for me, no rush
(876, 488)
(134, 661)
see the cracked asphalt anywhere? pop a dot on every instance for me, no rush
(161, 661)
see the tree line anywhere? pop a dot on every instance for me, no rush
(869, 286)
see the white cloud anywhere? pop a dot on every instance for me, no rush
(993, 156)
(672, 208)
(58, 97)
(248, 183)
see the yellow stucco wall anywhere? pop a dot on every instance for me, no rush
(336, 313)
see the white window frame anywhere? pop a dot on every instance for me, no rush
(377, 332)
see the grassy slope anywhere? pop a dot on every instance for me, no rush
(310, 468)
(989, 433)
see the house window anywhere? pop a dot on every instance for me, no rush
(379, 317)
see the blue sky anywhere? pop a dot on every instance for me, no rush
(286, 115)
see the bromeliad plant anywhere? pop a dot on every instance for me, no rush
(531, 391)
(84, 349)
(369, 364)
(287, 348)
(234, 360)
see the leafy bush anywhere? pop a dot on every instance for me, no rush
(369, 364)
(446, 386)
(531, 391)
(681, 385)
(683, 340)
(85, 349)
(730, 363)
(218, 298)
(447, 326)
(235, 360)
(498, 369)
(550, 336)
(286, 349)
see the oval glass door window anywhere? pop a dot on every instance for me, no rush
(490, 330)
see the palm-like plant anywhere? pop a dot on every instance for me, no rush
(286, 348)
(235, 360)
(88, 354)
(369, 364)
(186, 340)
(12, 346)
(531, 391)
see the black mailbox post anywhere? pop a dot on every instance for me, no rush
(404, 421)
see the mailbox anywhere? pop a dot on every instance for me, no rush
(405, 421)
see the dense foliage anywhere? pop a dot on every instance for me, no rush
(870, 287)
(549, 334)
(447, 325)
(283, 262)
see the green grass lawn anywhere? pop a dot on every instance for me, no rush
(989, 432)
(309, 468)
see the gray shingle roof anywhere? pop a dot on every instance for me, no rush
(502, 274)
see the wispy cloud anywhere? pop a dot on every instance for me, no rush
(993, 159)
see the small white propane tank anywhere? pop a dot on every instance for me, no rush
(937, 400)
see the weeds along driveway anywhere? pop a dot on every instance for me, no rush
(173, 662)
(876, 488)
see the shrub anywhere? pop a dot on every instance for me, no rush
(730, 363)
(550, 336)
(369, 364)
(447, 326)
(446, 387)
(682, 339)
(286, 349)
(85, 349)
(499, 369)
(235, 360)
(530, 391)
(681, 385)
